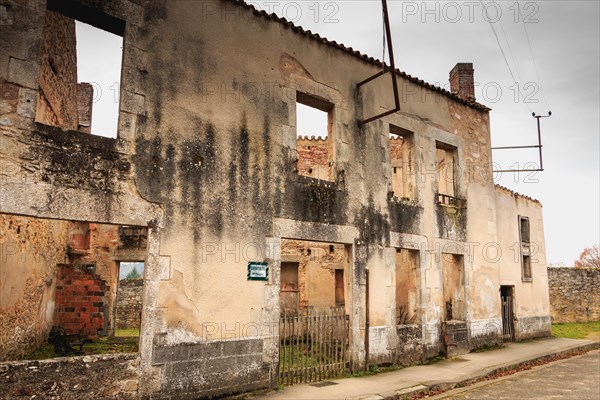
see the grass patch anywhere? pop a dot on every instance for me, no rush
(485, 348)
(103, 345)
(129, 332)
(577, 330)
(435, 360)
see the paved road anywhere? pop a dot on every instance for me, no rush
(576, 378)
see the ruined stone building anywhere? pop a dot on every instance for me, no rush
(241, 220)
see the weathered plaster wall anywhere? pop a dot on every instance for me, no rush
(574, 294)
(30, 249)
(532, 307)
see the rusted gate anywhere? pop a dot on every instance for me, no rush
(508, 330)
(313, 345)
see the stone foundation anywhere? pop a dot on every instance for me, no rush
(410, 345)
(533, 327)
(213, 369)
(88, 377)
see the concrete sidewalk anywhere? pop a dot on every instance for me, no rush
(446, 374)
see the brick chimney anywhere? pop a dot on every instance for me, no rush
(462, 82)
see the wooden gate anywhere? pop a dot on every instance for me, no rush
(508, 327)
(313, 346)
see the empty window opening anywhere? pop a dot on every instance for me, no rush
(524, 229)
(314, 141)
(80, 70)
(312, 280)
(288, 294)
(453, 286)
(445, 161)
(74, 308)
(407, 286)
(401, 159)
(526, 265)
(525, 245)
(340, 299)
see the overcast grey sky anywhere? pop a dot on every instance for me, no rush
(431, 37)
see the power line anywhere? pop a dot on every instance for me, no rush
(533, 58)
(505, 59)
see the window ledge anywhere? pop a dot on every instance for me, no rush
(77, 138)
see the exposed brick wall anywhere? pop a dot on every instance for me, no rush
(313, 157)
(129, 303)
(81, 298)
(462, 80)
(58, 73)
(574, 294)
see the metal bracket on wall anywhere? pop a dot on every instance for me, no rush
(391, 69)
(538, 146)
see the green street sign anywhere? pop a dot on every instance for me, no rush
(258, 271)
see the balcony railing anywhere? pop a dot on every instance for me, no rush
(451, 201)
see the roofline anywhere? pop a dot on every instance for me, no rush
(355, 53)
(515, 194)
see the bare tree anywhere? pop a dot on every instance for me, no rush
(589, 258)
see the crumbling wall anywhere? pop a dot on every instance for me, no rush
(85, 104)
(82, 301)
(86, 377)
(317, 263)
(129, 303)
(313, 157)
(30, 249)
(574, 294)
(58, 104)
(102, 251)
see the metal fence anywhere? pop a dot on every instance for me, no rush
(313, 346)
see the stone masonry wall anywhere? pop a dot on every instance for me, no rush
(129, 303)
(85, 377)
(29, 251)
(574, 294)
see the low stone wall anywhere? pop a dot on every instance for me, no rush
(410, 345)
(113, 376)
(129, 303)
(574, 294)
(212, 369)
